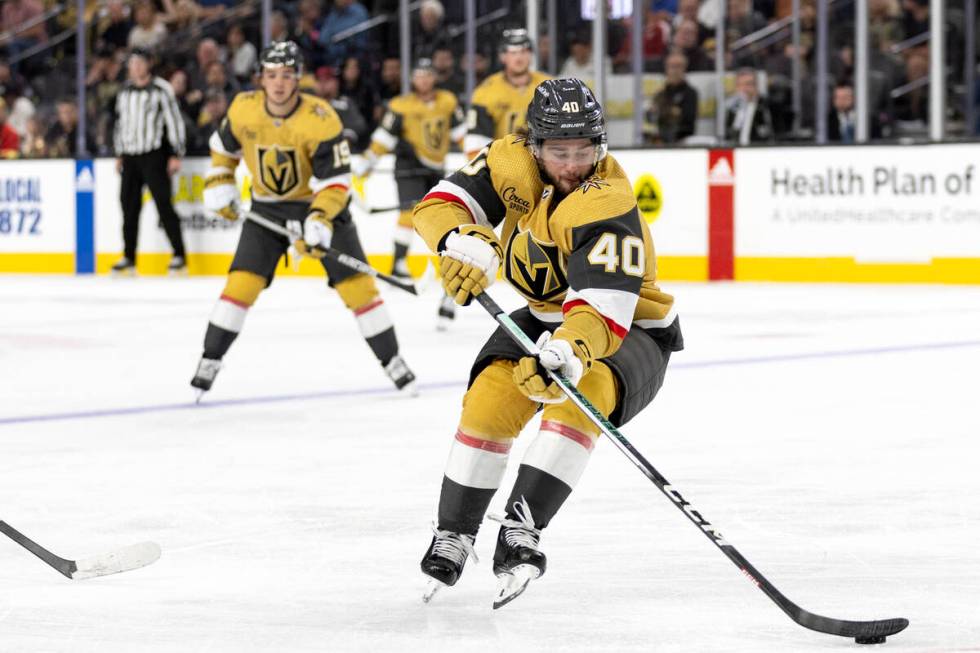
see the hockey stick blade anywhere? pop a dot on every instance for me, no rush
(342, 258)
(125, 559)
(872, 630)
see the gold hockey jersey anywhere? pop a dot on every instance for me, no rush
(589, 251)
(498, 108)
(299, 157)
(421, 131)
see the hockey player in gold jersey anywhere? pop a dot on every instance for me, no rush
(299, 160)
(418, 127)
(499, 104)
(557, 214)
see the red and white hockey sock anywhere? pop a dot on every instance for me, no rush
(227, 319)
(375, 324)
(473, 473)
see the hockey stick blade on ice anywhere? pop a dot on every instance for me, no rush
(114, 562)
(865, 632)
(335, 254)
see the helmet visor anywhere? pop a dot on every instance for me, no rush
(578, 151)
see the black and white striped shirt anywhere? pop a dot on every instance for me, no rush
(143, 113)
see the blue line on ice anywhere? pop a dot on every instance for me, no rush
(360, 392)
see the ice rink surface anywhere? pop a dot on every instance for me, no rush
(831, 432)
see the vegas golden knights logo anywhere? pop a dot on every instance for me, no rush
(535, 268)
(433, 133)
(278, 170)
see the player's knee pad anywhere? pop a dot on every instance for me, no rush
(357, 291)
(493, 407)
(243, 287)
(600, 387)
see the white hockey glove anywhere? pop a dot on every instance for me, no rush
(220, 193)
(317, 234)
(557, 355)
(469, 262)
(361, 165)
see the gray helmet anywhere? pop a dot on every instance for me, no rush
(281, 54)
(515, 39)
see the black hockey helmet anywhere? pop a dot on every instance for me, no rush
(423, 64)
(515, 39)
(565, 108)
(281, 54)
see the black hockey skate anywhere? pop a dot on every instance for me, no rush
(203, 379)
(124, 267)
(447, 313)
(401, 376)
(443, 561)
(178, 265)
(517, 560)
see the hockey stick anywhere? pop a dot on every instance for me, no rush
(864, 632)
(114, 562)
(337, 255)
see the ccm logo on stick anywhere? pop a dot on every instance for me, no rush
(695, 515)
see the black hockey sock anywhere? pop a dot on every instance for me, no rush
(401, 251)
(461, 508)
(543, 492)
(217, 341)
(384, 345)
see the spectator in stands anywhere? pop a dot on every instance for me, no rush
(186, 20)
(686, 40)
(307, 32)
(208, 52)
(32, 146)
(742, 20)
(688, 10)
(61, 136)
(915, 19)
(327, 86)
(278, 26)
(189, 102)
(747, 116)
(16, 91)
(216, 80)
(673, 114)
(543, 55)
(214, 109)
(448, 77)
(391, 77)
(18, 12)
(842, 119)
(241, 54)
(430, 32)
(579, 63)
(9, 140)
(112, 27)
(149, 31)
(913, 105)
(361, 91)
(884, 23)
(102, 83)
(342, 16)
(656, 36)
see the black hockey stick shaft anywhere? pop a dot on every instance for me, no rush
(809, 620)
(65, 567)
(335, 254)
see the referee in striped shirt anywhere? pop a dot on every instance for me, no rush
(149, 139)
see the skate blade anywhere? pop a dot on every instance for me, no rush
(410, 389)
(512, 585)
(431, 588)
(198, 395)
